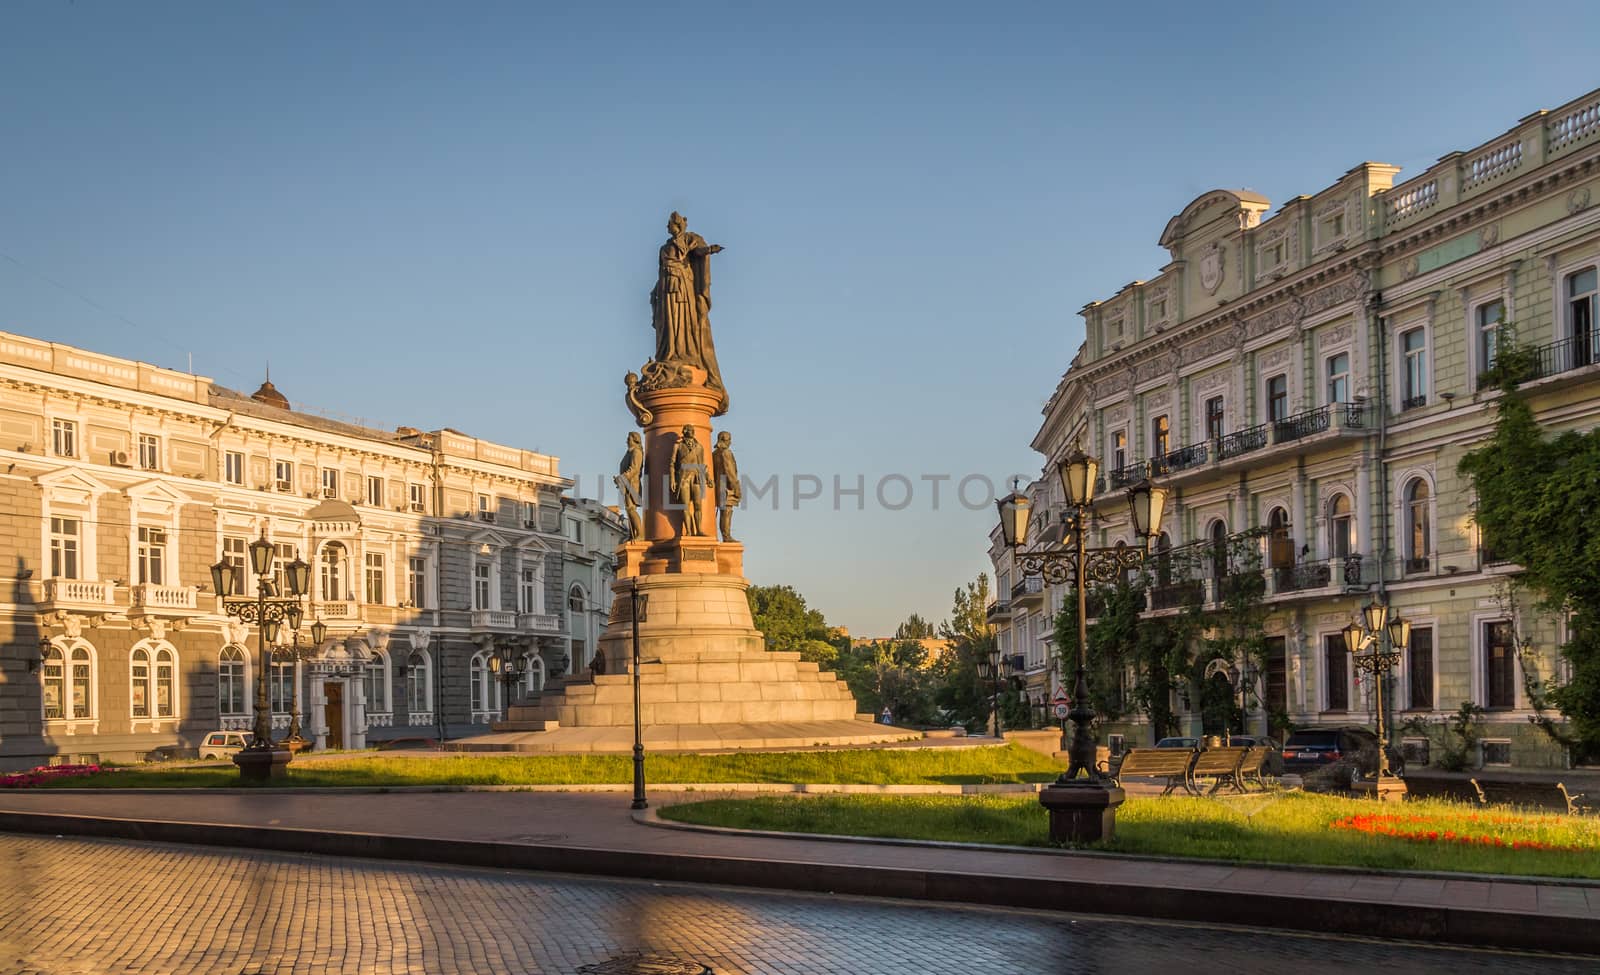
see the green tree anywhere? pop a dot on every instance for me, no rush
(958, 690)
(915, 628)
(1537, 496)
(782, 616)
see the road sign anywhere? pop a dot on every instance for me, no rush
(1061, 710)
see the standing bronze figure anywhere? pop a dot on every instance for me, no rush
(629, 477)
(725, 472)
(680, 303)
(689, 480)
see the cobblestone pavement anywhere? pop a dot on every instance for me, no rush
(75, 907)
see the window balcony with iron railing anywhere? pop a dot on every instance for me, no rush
(1183, 459)
(1242, 441)
(999, 609)
(1317, 576)
(1026, 589)
(1413, 402)
(1177, 594)
(1553, 359)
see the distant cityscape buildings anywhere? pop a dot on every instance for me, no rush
(1308, 380)
(430, 551)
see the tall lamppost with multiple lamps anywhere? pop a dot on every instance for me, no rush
(509, 673)
(294, 653)
(261, 759)
(1082, 809)
(1376, 643)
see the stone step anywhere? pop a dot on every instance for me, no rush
(520, 725)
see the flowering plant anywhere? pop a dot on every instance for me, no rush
(44, 773)
(1472, 829)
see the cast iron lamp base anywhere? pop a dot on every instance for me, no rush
(1386, 788)
(1081, 811)
(262, 764)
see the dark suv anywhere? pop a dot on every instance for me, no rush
(1336, 756)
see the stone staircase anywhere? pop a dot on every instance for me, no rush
(727, 687)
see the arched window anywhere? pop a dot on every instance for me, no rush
(333, 572)
(419, 675)
(1280, 547)
(532, 674)
(233, 692)
(69, 682)
(166, 683)
(485, 686)
(1419, 526)
(1341, 527)
(377, 679)
(139, 671)
(1218, 534)
(575, 599)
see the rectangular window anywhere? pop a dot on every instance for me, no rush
(233, 553)
(1158, 310)
(1419, 669)
(1119, 450)
(1332, 228)
(152, 555)
(283, 475)
(1414, 349)
(1114, 332)
(1277, 675)
(282, 554)
(1160, 434)
(1278, 398)
(1581, 294)
(485, 513)
(575, 530)
(375, 580)
(1489, 317)
(64, 548)
(1277, 253)
(418, 500)
(480, 586)
(375, 491)
(233, 467)
(281, 685)
(64, 437)
(530, 515)
(1337, 669)
(528, 591)
(1339, 378)
(140, 701)
(149, 452)
(330, 483)
(1497, 751)
(1214, 418)
(417, 581)
(1500, 665)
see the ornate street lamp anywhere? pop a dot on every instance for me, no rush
(261, 759)
(639, 605)
(509, 673)
(989, 668)
(294, 616)
(1376, 643)
(1083, 809)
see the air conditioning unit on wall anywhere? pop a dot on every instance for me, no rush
(119, 458)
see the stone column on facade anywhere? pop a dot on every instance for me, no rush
(358, 712)
(319, 711)
(1368, 531)
(1297, 511)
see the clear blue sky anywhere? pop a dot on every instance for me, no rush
(447, 214)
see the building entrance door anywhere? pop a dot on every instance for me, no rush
(334, 692)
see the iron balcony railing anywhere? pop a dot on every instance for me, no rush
(1123, 476)
(1176, 594)
(1412, 402)
(1555, 358)
(1242, 441)
(1194, 455)
(1302, 424)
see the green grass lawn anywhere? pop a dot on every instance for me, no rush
(1291, 827)
(901, 766)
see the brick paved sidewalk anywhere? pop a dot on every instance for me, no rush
(591, 833)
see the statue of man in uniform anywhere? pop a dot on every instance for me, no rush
(630, 475)
(726, 472)
(689, 479)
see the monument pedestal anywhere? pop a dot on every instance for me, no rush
(259, 765)
(1386, 789)
(1081, 812)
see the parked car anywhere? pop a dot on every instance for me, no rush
(1336, 756)
(1178, 743)
(222, 744)
(1274, 762)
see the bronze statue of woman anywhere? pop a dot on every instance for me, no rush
(680, 302)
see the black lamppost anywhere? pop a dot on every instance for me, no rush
(293, 653)
(641, 606)
(261, 759)
(510, 673)
(1082, 810)
(989, 672)
(1376, 642)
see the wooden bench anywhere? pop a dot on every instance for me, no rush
(1254, 766)
(1544, 795)
(1221, 765)
(1172, 764)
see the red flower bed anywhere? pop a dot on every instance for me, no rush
(44, 773)
(1427, 829)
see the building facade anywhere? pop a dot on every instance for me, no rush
(124, 483)
(591, 532)
(1308, 379)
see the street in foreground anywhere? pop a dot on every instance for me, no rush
(77, 907)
